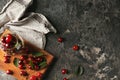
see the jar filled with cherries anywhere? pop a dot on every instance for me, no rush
(11, 43)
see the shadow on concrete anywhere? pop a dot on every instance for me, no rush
(51, 66)
(32, 7)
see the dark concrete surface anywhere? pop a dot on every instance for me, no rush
(92, 24)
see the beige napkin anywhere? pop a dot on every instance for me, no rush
(32, 28)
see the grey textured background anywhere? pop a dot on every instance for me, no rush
(88, 23)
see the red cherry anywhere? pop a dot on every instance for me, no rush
(35, 62)
(20, 62)
(32, 58)
(7, 56)
(36, 67)
(13, 42)
(25, 61)
(23, 73)
(3, 39)
(30, 67)
(60, 39)
(8, 38)
(64, 71)
(7, 45)
(23, 57)
(33, 77)
(6, 61)
(39, 75)
(3, 44)
(21, 66)
(75, 47)
(39, 59)
(65, 79)
(9, 72)
(4, 49)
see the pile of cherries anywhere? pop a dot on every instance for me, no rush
(32, 61)
(8, 41)
(24, 62)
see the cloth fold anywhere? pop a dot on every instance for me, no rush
(32, 28)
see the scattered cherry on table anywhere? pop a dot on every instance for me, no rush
(60, 39)
(65, 79)
(75, 47)
(64, 71)
(9, 71)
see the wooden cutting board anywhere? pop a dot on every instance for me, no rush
(16, 70)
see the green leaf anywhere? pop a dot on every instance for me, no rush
(37, 54)
(79, 71)
(43, 64)
(15, 61)
(18, 46)
(31, 64)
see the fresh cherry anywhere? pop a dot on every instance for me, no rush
(33, 77)
(9, 72)
(65, 79)
(60, 39)
(39, 75)
(3, 44)
(3, 39)
(8, 38)
(32, 58)
(35, 62)
(21, 66)
(7, 45)
(36, 67)
(13, 42)
(7, 56)
(23, 73)
(6, 61)
(64, 71)
(20, 62)
(39, 59)
(30, 67)
(25, 61)
(23, 57)
(75, 47)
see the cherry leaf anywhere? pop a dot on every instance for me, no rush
(43, 64)
(79, 71)
(15, 61)
(37, 54)
(31, 64)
